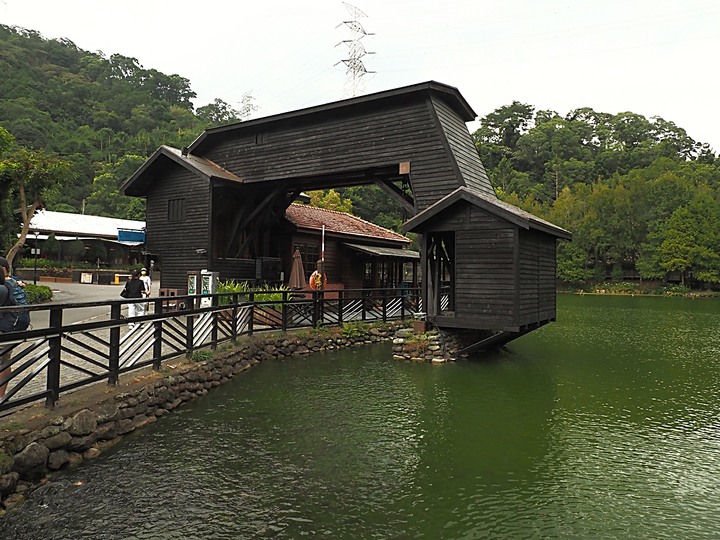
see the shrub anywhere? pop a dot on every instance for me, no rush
(676, 290)
(418, 343)
(265, 293)
(201, 356)
(37, 294)
(52, 265)
(353, 329)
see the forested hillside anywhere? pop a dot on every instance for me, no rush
(102, 115)
(641, 197)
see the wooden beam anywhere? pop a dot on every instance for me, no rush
(235, 231)
(245, 222)
(398, 194)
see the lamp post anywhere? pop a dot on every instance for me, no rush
(36, 233)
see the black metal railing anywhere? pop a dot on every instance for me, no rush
(47, 362)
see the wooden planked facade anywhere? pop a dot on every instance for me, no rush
(486, 265)
(502, 259)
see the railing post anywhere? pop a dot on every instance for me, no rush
(284, 310)
(214, 323)
(53, 372)
(402, 306)
(114, 353)
(251, 299)
(315, 310)
(363, 298)
(340, 307)
(234, 331)
(190, 320)
(157, 337)
(384, 305)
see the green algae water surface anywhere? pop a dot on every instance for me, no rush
(605, 424)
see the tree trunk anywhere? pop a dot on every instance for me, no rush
(27, 215)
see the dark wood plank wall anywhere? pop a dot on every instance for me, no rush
(463, 149)
(529, 276)
(548, 278)
(537, 278)
(485, 281)
(237, 269)
(332, 262)
(352, 266)
(175, 243)
(358, 138)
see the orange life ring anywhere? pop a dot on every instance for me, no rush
(317, 282)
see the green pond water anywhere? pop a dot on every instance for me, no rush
(605, 424)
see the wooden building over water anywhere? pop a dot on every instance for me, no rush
(218, 204)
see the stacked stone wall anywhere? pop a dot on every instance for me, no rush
(437, 346)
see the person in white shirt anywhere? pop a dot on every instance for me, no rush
(147, 281)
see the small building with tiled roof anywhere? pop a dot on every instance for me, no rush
(358, 254)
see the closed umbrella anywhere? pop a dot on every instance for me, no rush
(297, 272)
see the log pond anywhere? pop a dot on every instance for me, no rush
(605, 424)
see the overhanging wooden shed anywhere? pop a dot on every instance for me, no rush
(486, 264)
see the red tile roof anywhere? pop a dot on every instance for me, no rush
(310, 217)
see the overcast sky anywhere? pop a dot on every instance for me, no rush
(652, 57)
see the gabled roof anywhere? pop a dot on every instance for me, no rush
(313, 218)
(137, 184)
(498, 208)
(66, 224)
(449, 93)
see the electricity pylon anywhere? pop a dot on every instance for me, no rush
(355, 67)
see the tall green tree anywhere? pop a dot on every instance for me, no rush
(30, 176)
(106, 200)
(330, 200)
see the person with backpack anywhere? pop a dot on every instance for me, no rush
(134, 288)
(22, 318)
(6, 299)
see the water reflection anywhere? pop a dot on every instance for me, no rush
(602, 425)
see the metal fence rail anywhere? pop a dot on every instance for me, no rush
(45, 363)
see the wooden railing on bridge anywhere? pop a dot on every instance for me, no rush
(47, 362)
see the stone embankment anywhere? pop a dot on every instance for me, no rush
(436, 346)
(28, 456)
(421, 347)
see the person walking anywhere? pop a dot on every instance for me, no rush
(134, 288)
(147, 282)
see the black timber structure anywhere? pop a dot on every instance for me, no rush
(217, 203)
